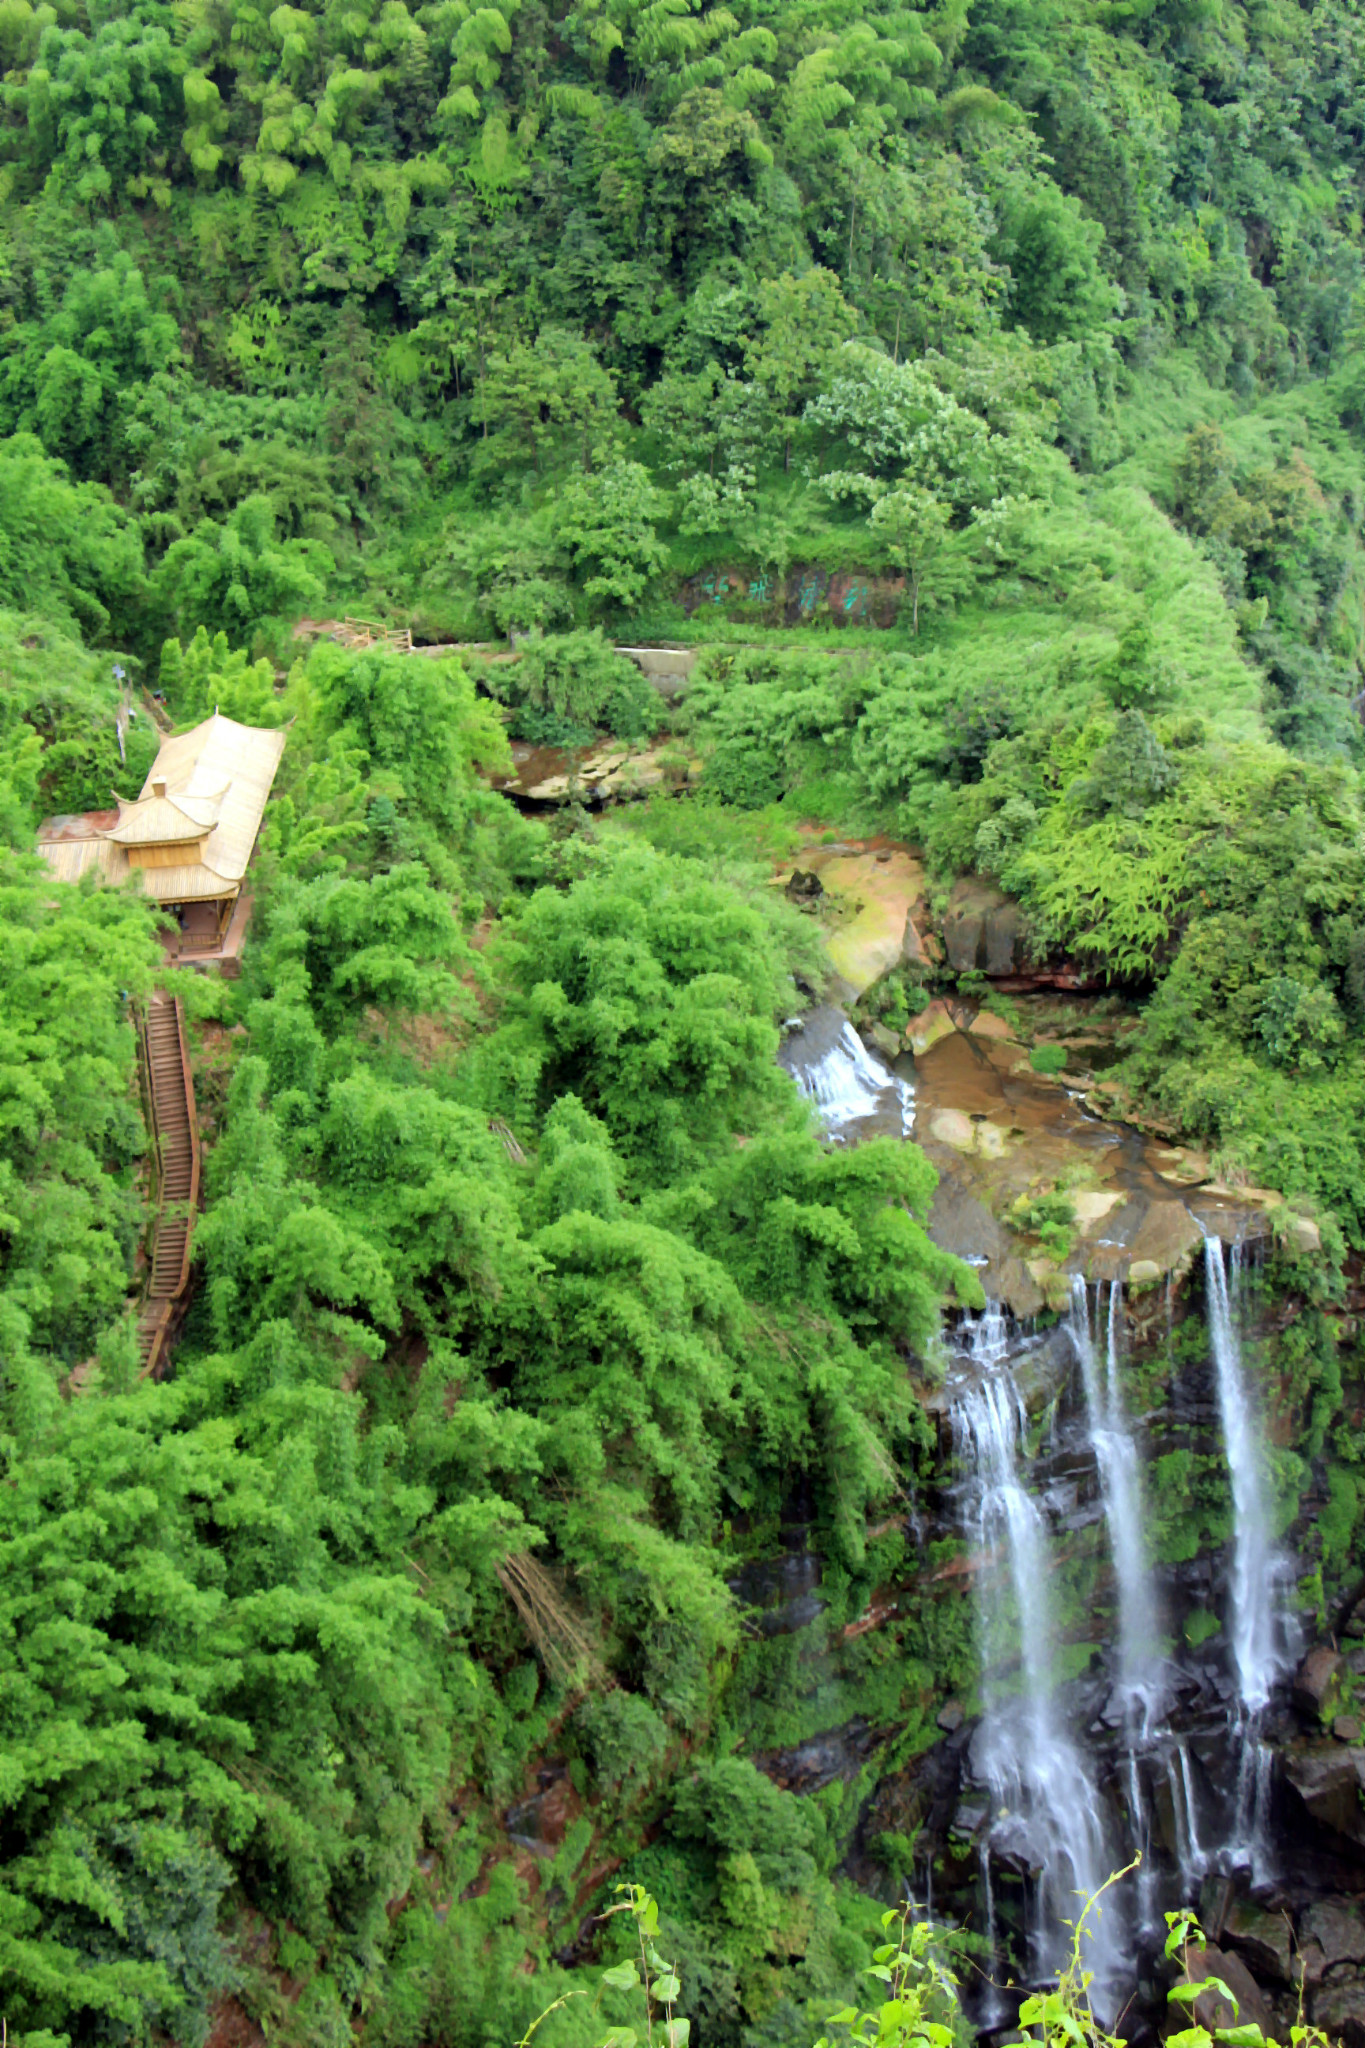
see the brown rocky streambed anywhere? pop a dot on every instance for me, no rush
(1040, 1176)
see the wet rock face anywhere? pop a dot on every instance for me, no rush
(1329, 1779)
(998, 1133)
(1339, 2009)
(540, 1822)
(985, 931)
(1336, 1929)
(867, 891)
(1264, 1941)
(784, 1591)
(1318, 1683)
(982, 926)
(808, 1767)
(1279, 1877)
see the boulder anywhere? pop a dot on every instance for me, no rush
(1211, 2009)
(1346, 1728)
(1329, 1779)
(1184, 1168)
(1167, 1235)
(1011, 1282)
(1003, 937)
(959, 1223)
(1264, 1941)
(1303, 1236)
(871, 897)
(667, 668)
(1339, 2009)
(953, 1127)
(950, 1717)
(885, 1041)
(985, 1024)
(983, 928)
(1215, 1899)
(1317, 1684)
(1338, 1928)
(1143, 1273)
(1092, 1205)
(912, 944)
(1054, 1286)
(970, 1816)
(929, 1027)
(962, 938)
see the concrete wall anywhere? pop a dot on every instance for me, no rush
(668, 668)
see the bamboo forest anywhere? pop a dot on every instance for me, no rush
(682, 1023)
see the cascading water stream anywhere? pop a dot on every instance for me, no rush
(1045, 1808)
(1140, 1824)
(847, 1083)
(1252, 1619)
(1185, 1815)
(1116, 1459)
(993, 2007)
(1141, 1695)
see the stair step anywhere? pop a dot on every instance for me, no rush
(171, 1096)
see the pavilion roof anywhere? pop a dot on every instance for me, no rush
(207, 791)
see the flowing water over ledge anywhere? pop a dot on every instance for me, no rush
(1143, 1759)
(1126, 1732)
(857, 1093)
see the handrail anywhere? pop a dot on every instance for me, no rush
(193, 1119)
(148, 1092)
(160, 1303)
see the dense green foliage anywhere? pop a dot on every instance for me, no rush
(261, 1612)
(982, 388)
(514, 318)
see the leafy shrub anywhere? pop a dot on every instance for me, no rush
(567, 688)
(624, 1737)
(1048, 1059)
(732, 1808)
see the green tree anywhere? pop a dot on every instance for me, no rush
(545, 405)
(65, 549)
(606, 524)
(804, 323)
(237, 576)
(914, 529)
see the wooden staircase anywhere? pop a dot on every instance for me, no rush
(169, 1092)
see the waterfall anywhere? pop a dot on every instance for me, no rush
(1045, 1808)
(993, 2005)
(1116, 1460)
(848, 1083)
(1140, 1829)
(1250, 1844)
(1185, 1814)
(1252, 1620)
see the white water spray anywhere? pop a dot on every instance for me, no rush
(1140, 1829)
(1185, 1813)
(847, 1083)
(993, 2006)
(1250, 1846)
(1116, 1459)
(1045, 1808)
(1252, 1620)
